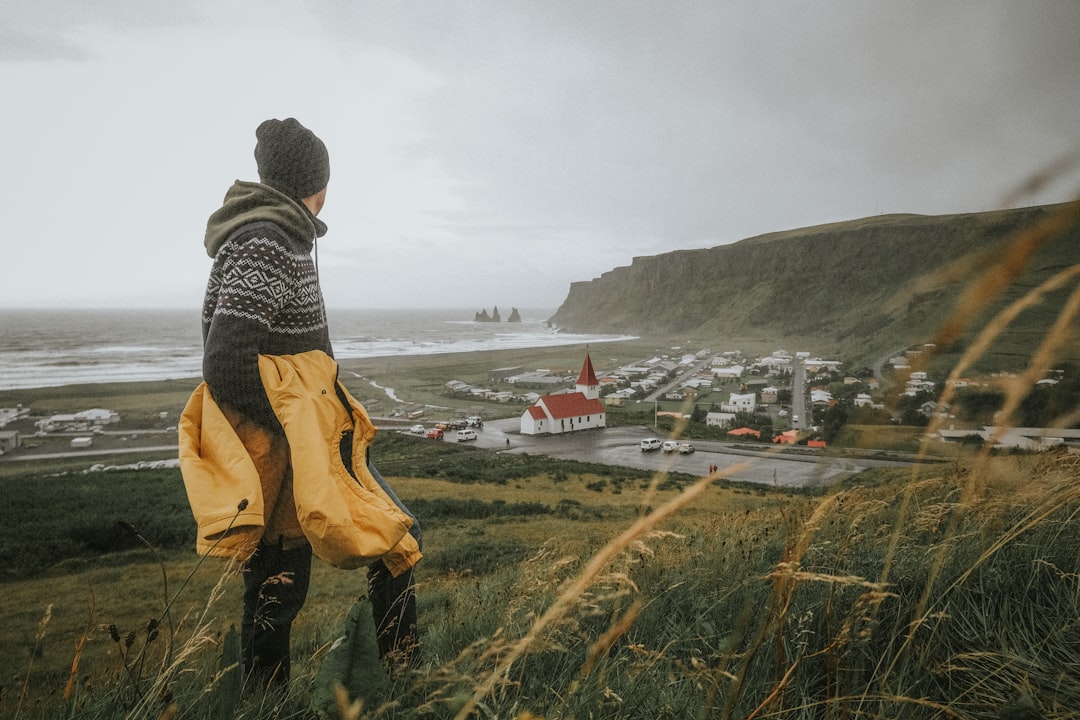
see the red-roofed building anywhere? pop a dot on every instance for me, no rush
(567, 412)
(789, 437)
(586, 381)
(745, 431)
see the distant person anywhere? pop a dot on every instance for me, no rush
(263, 298)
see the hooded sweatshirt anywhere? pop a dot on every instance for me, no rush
(263, 295)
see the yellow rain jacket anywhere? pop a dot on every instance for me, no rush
(349, 522)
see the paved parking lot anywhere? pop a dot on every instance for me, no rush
(620, 446)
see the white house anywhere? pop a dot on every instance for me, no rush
(83, 419)
(1021, 437)
(9, 440)
(97, 416)
(719, 419)
(740, 402)
(730, 372)
(911, 387)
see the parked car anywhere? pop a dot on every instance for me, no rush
(436, 434)
(417, 429)
(686, 449)
(670, 446)
(650, 444)
(464, 435)
(475, 421)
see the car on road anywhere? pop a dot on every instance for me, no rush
(670, 446)
(417, 429)
(686, 449)
(436, 434)
(465, 435)
(650, 444)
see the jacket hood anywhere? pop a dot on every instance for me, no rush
(248, 202)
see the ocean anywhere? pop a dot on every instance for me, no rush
(48, 348)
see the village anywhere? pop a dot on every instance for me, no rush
(762, 398)
(782, 398)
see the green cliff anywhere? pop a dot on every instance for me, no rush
(861, 287)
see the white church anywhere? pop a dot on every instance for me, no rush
(570, 411)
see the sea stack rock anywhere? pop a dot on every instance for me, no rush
(515, 316)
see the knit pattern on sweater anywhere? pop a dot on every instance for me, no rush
(262, 298)
(261, 280)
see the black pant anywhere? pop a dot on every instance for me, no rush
(275, 587)
(393, 599)
(276, 583)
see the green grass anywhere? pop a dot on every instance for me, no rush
(135, 401)
(947, 594)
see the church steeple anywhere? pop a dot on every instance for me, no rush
(587, 384)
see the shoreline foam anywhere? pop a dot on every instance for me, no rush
(62, 348)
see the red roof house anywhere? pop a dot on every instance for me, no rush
(745, 431)
(567, 412)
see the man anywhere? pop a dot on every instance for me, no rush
(264, 298)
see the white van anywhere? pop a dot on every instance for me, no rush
(468, 434)
(650, 444)
(670, 446)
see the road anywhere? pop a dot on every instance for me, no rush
(620, 446)
(681, 378)
(800, 419)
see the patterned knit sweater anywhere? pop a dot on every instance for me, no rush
(263, 296)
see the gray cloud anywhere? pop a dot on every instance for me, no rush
(557, 139)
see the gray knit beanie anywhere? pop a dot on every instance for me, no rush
(291, 159)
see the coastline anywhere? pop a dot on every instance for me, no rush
(40, 348)
(150, 409)
(169, 395)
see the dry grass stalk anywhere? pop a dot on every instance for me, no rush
(608, 638)
(576, 589)
(39, 638)
(73, 676)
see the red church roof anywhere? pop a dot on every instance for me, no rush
(587, 376)
(575, 404)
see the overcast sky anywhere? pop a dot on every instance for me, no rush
(492, 153)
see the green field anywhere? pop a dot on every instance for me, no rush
(554, 589)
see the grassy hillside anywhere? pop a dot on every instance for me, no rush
(551, 591)
(858, 288)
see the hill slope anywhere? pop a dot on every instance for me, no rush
(861, 287)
